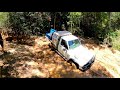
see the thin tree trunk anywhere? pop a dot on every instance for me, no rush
(109, 15)
(79, 22)
(54, 20)
(71, 26)
(109, 22)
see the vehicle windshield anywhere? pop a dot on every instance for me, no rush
(74, 43)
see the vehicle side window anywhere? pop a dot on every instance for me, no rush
(64, 44)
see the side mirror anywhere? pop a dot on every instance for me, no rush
(64, 49)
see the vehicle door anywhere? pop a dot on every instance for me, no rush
(63, 47)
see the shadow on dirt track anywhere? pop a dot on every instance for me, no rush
(43, 62)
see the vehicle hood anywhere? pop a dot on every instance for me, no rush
(81, 55)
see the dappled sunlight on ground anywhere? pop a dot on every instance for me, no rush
(40, 61)
(107, 57)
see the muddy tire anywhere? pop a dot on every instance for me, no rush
(71, 61)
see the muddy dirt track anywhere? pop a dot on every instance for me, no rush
(40, 61)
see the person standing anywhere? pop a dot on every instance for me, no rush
(1, 41)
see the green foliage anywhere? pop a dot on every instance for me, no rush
(115, 36)
(4, 19)
(115, 20)
(100, 25)
(59, 20)
(74, 21)
(95, 24)
(29, 22)
(24, 24)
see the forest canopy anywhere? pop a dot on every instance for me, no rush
(102, 26)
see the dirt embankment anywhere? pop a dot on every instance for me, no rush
(40, 61)
(107, 57)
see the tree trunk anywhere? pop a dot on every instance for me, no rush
(109, 22)
(54, 20)
(71, 26)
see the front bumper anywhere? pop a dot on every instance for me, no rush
(88, 65)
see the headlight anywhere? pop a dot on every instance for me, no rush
(92, 60)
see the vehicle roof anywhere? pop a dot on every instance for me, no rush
(62, 33)
(69, 37)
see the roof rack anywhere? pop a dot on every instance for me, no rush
(63, 33)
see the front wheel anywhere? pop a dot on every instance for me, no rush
(71, 61)
(82, 70)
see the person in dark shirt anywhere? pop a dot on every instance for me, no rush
(1, 42)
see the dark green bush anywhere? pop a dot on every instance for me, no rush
(30, 22)
(24, 24)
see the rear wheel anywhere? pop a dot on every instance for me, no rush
(52, 47)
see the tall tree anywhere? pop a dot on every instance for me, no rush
(58, 19)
